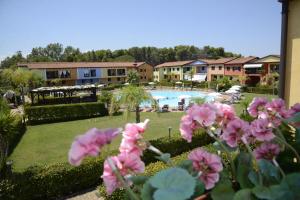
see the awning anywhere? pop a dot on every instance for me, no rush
(199, 77)
(247, 66)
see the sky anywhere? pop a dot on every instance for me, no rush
(249, 27)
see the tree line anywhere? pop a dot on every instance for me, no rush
(55, 52)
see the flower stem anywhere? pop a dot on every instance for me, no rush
(290, 147)
(233, 169)
(277, 165)
(158, 152)
(120, 178)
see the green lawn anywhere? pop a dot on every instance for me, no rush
(49, 143)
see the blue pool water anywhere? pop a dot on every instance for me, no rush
(172, 97)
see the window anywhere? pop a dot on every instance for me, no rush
(109, 79)
(145, 77)
(52, 74)
(121, 72)
(141, 70)
(213, 68)
(203, 68)
(178, 69)
(164, 69)
(118, 78)
(228, 68)
(220, 67)
(111, 72)
(141, 77)
(64, 73)
(165, 76)
(145, 70)
(93, 73)
(173, 69)
(239, 68)
(175, 76)
(86, 73)
(91, 80)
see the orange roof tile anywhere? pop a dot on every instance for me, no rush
(58, 65)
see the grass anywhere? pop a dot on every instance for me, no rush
(49, 143)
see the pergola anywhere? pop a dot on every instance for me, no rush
(65, 91)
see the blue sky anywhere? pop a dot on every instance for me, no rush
(250, 27)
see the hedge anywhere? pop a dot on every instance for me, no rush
(58, 180)
(64, 112)
(260, 90)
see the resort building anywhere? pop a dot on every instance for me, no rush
(216, 68)
(195, 70)
(261, 69)
(234, 69)
(80, 73)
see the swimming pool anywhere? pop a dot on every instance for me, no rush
(172, 97)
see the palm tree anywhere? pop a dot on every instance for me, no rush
(131, 97)
(133, 77)
(192, 72)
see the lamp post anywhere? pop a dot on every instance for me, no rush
(170, 129)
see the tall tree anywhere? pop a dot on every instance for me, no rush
(11, 62)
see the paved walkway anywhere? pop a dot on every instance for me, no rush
(86, 196)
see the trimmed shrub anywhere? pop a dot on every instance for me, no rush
(64, 112)
(49, 182)
(260, 90)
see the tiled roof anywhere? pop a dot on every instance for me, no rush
(221, 60)
(242, 60)
(175, 63)
(58, 65)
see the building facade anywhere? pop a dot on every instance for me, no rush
(80, 73)
(262, 69)
(234, 69)
(216, 68)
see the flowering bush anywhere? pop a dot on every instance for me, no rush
(250, 170)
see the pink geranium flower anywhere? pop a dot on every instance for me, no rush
(208, 165)
(204, 114)
(234, 131)
(262, 130)
(266, 151)
(296, 108)
(257, 105)
(126, 164)
(132, 136)
(277, 107)
(225, 113)
(90, 144)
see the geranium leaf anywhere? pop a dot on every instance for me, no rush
(262, 192)
(253, 177)
(228, 148)
(244, 166)
(223, 190)
(164, 157)
(199, 189)
(244, 194)
(187, 165)
(139, 180)
(271, 174)
(173, 183)
(147, 191)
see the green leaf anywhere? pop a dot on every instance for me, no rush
(199, 189)
(147, 191)
(166, 158)
(244, 194)
(294, 119)
(253, 177)
(173, 183)
(187, 165)
(218, 146)
(244, 166)
(223, 190)
(262, 192)
(271, 174)
(139, 180)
